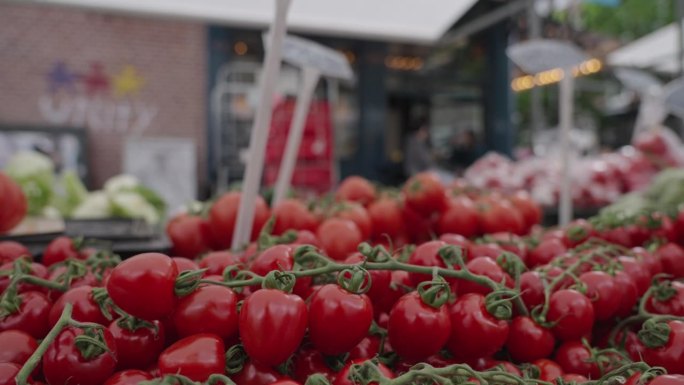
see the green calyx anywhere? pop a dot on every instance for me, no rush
(434, 293)
(91, 343)
(355, 280)
(654, 334)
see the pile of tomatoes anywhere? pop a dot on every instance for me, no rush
(416, 300)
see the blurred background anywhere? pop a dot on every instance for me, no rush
(165, 90)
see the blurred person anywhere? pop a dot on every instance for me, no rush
(466, 149)
(418, 154)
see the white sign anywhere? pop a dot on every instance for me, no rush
(539, 55)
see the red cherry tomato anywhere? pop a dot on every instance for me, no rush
(577, 232)
(32, 316)
(343, 376)
(572, 314)
(143, 285)
(256, 374)
(357, 214)
(10, 251)
(332, 309)
(648, 259)
(309, 361)
(530, 210)
(272, 325)
(672, 258)
(545, 252)
(58, 250)
(425, 193)
(486, 267)
(17, 346)
(285, 382)
(574, 357)
(196, 357)
(603, 293)
(548, 370)
(128, 377)
(380, 281)
(668, 379)
(500, 216)
(416, 330)
(628, 293)
(292, 214)
(137, 348)
(64, 364)
(339, 237)
(356, 189)
(461, 217)
(636, 270)
(14, 203)
(190, 235)
(671, 355)
(35, 269)
(185, 264)
(529, 341)
(531, 289)
(84, 307)
(426, 254)
(217, 261)
(223, 214)
(386, 217)
(279, 257)
(576, 378)
(366, 349)
(672, 305)
(8, 372)
(474, 332)
(209, 309)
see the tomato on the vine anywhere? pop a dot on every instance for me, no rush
(671, 257)
(343, 376)
(189, 234)
(386, 217)
(426, 254)
(11, 250)
(209, 309)
(64, 363)
(571, 313)
(366, 349)
(32, 316)
(603, 293)
(461, 217)
(272, 325)
(358, 214)
(545, 252)
(356, 189)
(223, 215)
(333, 309)
(17, 346)
(59, 250)
(137, 348)
(529, 341)
(475, 332)
(310, 361)
(574, 357)
(8, 372)
(144, 286)
(548, 370)
(253, 373)
(217, 261)
(196, 357)
(128, 377)
(485, 267)
(292, 214)
(339, 237)
(425, 193)
(417, 330)
(85, 309)
(531, 289)
(670, 355)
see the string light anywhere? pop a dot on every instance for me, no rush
(404, 63)
(240, 48)
(526, 82)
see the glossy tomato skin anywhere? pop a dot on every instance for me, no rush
(673, 305)
(530, 210)
(64, 364)
(84, 307)
(58, 250)
(380, 281)
(548, 370)
(35, 269)
(216, 262)
(386, 217)
(189, 235)
(338, 319)
(529, 341)
(143, 286)
(636, 270)
(138, 348)
(486, 267)
(128, 377)
(17, 346)
(671, 355)
(366, 349)
(292, 214)
(576, 378)
(474, 332)
(256, 374)
(574, 357)
(603, 293)
(32, 316)
(532, 289)
(572, 313)
(461, 217)
(359, 215)
(416, 330)
(339, 237)
(279, 257)
(545, 252)
(196, 357)
(342, 376)
(209, 309)
(668, 379)
(11, 251)
(8, 371)
(628, 293)
(223, 215)
(272, 325)
(500, 216)
(671, 257)
(185, 264)
(425, 193)
(426, 254)
(356, 189)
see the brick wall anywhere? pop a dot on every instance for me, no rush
(167, 58)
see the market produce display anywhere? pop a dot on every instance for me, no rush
(64, 195)
(13, 203)
(427, 285)
(597, 180)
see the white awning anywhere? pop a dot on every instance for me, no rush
(657, 51)
(414, 21)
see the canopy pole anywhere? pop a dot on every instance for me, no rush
(566, 111)
(261, 127)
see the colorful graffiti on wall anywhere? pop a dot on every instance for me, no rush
(96, 99)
